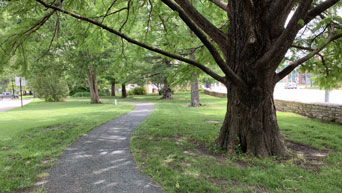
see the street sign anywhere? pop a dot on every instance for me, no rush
(18, 79)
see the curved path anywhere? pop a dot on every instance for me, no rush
(101, 161)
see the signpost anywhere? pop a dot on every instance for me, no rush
(20, 81)
(13, 87)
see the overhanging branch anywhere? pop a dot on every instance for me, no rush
(281, 45)
(213, 32)
(295, 64)
(133, 41)
(233, 77)
(17, 36)
(319, 9)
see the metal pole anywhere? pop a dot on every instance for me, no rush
(13, 87)
(21, 93)
(326, 97)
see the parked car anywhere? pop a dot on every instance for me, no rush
(8, 95)
(291, 85)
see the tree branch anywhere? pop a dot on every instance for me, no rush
(279, 7)
(162, 52)
(150, 17)
(52, 39)
(217, 57)
(127, 15)
(16, 43)
(108, 14)
(220, 4)
(109, 8)
(295, 64)
(324, 64)
(213, 32)
(319, 9)
(302, 47)
(320, 55)
(281, 45)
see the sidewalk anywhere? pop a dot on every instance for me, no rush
(101, 161)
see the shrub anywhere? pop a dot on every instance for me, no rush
(104, 93)
(49, 86)
(137, 91)
(78, 89)
(82, 94)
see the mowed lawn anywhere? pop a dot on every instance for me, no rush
(175, 146)
(32, 138)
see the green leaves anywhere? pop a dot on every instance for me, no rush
(301, 22)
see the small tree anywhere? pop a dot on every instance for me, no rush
(49, 85)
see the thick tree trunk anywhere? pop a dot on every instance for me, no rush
(123, 91)
(92, 83)
(167, 90)
(195, 100)
(113, 87)
(250, 124)
(160, 90)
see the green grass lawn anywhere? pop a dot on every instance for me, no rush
(32, 138)
(175, 147)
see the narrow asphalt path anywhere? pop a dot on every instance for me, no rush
(101, 162)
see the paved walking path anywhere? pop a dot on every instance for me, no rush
(101, 161)
(7, 104)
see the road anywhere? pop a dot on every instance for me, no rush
(7, 104)
(306, 95)
(299, 95)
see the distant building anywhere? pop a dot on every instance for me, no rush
(298, 77)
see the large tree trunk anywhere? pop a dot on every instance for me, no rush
(167, 90)
(113, 87)
(250, 124)
(195, 100)
(92, 83)
(123, 91)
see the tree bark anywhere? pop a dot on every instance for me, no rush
(195, 100)
(123, 91)
(113, 87)
(167, 90)
(92, 83)
(250, 124)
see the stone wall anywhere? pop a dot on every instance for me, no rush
(215, 94)
(326, 112)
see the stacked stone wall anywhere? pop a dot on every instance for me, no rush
(323, 111)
